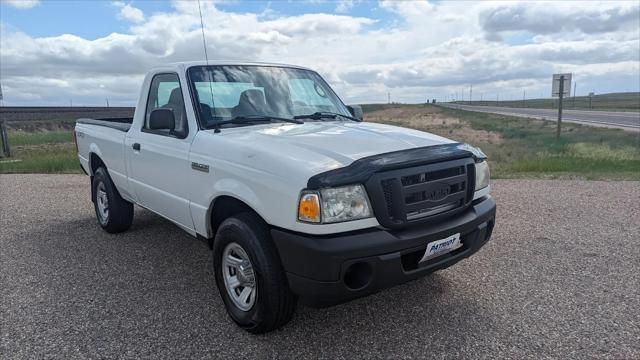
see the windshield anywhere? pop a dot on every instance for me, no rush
(225, 92)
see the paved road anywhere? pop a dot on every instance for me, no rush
(559, 279)
(616, 119)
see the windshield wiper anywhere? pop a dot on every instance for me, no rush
(257, 118)
(321, 115)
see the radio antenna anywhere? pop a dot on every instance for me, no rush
(204, 40)
(206, 58)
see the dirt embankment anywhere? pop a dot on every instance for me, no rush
(432, 119)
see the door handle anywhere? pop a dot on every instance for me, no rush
(136, 146)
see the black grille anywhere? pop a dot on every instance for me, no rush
(388, 194)
(422, 193)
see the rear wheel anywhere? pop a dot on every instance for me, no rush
(114, 213)
(249, 275)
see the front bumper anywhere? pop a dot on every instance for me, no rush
(330, 269)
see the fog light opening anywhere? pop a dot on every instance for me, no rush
(357, 276)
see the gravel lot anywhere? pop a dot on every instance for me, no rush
(560, 278)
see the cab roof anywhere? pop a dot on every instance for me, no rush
(183, 65)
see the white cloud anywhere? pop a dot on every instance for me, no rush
(558, 17)
(128, 12)
(343, 6)
(432, 50)
(21, 4)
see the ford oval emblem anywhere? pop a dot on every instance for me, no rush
(438, 192)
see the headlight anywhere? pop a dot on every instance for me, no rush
(482, 175)
(334, 205)
(344, 204)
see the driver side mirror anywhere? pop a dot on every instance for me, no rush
(162, 119)
(356, 111)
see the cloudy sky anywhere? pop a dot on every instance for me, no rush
(52, 52)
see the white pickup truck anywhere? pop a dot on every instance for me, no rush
(297, 197)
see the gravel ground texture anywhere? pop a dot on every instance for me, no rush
(559, 279)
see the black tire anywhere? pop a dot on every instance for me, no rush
(119, 213)
(274, 303)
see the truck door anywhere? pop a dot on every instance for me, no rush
(159, 159)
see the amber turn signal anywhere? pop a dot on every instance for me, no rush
(309, 208)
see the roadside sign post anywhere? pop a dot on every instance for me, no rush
(558, 129)
(561, 86)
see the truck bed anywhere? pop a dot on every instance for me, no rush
(122, 124)
(105, 138)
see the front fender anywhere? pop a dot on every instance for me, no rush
(238, 190)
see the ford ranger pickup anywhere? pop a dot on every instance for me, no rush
(298, 198)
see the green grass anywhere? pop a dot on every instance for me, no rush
(530, 148)
(41, 152)
(629, 101)
(17, 138)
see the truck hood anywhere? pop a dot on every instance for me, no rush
(318, 146)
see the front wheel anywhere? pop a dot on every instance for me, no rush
(249, 275)
(114, 213)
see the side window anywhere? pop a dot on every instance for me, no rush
(165, 93)
(306, 92)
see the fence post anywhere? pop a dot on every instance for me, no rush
(5, 138)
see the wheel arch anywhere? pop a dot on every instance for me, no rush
(95, 162)
(223, 207)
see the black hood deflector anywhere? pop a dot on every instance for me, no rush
(359, 171)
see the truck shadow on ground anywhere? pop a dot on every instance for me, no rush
(160, 281)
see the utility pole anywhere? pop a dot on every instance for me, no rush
(524, 96)
(388, 97)
(560, 106)
(574, 94)
(107, 102)
(497, 98)
(70, 103)
(481, 98)
(470, 94)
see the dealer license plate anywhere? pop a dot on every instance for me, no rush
(442, 246)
